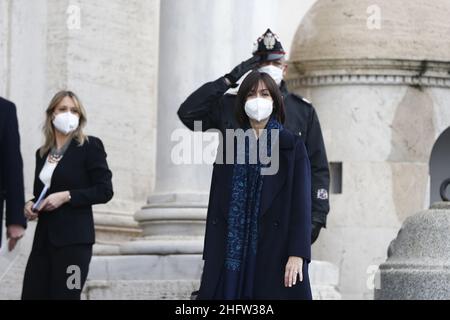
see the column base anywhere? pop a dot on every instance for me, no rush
(143, 277)
(163, 246)
(172, 224)
(173, 215)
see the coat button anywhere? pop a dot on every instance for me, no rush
(214, 222)
(276, 224)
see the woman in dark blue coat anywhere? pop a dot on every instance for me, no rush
(258, 228)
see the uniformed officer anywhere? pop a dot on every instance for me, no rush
(211, 105)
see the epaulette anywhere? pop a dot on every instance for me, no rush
(299, 97)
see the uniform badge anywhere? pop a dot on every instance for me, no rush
(269, 41)
(269, 47)
(306, 100)
(322, 194)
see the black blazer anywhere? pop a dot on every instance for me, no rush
(284, 224)
(84, 172)
(11, 167)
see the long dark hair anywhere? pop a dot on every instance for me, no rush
(251, 82)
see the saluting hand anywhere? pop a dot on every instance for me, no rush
(54, 201)
(242, 69)
(294, 269)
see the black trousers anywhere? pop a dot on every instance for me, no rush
(56, 273)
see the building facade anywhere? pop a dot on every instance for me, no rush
(380, 92)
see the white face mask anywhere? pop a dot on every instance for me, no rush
(66, 122)
(259, 108)
(275, 72)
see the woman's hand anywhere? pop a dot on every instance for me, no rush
(54, 201)
(29, 214)
(294, 268)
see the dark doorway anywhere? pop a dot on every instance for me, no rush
(439, 165)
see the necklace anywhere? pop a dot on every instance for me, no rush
(56, 155)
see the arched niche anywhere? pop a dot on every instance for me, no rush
(439, 165)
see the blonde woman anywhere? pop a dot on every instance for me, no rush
(71, 175)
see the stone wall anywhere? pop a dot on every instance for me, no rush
(111, 62)
(4, 40)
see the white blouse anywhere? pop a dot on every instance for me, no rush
(47, 172)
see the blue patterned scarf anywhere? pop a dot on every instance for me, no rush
(242, 237)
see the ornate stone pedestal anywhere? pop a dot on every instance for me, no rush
(418, 264)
